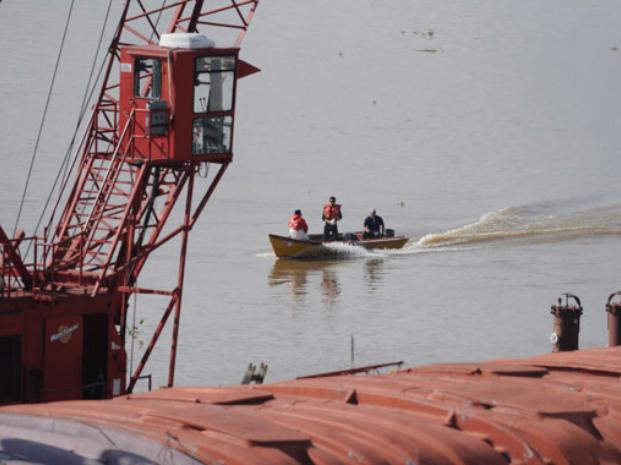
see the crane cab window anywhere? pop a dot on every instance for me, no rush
(148, 78)
(213, 84)
(212, 134)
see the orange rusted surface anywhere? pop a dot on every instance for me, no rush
(562, 409)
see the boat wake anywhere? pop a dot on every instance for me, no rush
(340, 250)
(526, 224)
(351, 250)
(531, 224)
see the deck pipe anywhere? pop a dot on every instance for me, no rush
(566, 325)
(614, 319)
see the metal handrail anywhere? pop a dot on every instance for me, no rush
(101, 384)
(9, 281)
(147, 377)
(353, 371)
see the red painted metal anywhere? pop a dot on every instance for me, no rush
(560, 408)
(64, 338)
(114, 209)
(34, 317)
(176, 145)
(9, 249)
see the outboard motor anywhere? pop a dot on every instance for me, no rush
(349, 236)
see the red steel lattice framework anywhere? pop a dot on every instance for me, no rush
(105, 225)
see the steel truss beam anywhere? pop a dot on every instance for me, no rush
(116, 212)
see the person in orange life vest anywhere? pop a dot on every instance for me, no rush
(297, 226)
(331, 214)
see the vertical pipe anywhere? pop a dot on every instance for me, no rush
(184, 247)
(351, 350)
(614, 320)
(566, 324)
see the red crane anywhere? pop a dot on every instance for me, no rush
(166, 111)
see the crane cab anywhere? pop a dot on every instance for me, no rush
(177, 100)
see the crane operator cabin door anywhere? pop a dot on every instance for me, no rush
(150, 78)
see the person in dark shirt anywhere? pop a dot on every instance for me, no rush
(373, 225)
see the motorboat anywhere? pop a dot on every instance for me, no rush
(315, 246)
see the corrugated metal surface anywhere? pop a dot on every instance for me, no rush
(562, 409)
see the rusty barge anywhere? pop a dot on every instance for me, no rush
(562, 409)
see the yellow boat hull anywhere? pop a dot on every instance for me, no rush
(285, 247)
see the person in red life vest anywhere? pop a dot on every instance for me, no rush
(297, 226)
(331, 215)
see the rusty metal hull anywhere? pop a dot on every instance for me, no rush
(554, 409)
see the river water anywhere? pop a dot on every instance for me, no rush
(487, 131)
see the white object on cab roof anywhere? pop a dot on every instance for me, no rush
(189, 40)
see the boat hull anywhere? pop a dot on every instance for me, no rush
(285, 247)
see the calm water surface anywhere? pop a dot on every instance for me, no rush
(494, 142)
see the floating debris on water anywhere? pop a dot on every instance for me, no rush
(429, 33)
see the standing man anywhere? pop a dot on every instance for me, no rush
(331, 214)
(373, 225)
(298, 228)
